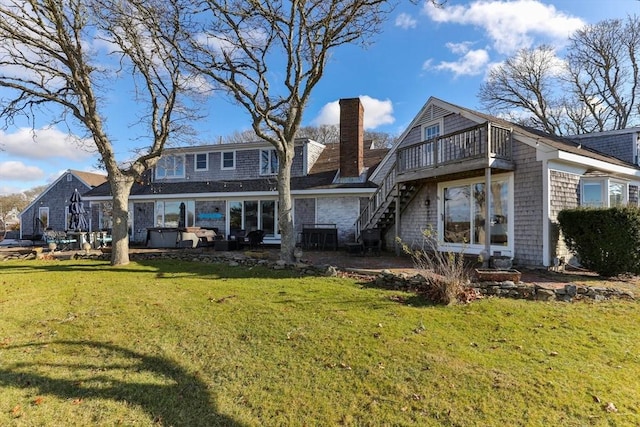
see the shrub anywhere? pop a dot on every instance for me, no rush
(606, 241)
(445, 272)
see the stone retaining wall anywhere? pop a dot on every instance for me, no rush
(509, 289)
(385, 279)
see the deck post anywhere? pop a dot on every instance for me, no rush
(487, 215)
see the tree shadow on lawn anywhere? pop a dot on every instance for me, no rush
(169, 394)
(158, 268)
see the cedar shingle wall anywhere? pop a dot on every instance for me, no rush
(527, 219)
(564, 193)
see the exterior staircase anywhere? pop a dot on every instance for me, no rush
(381, 209)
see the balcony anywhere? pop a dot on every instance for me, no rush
(479, 147)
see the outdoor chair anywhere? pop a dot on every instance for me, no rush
(371, 241)
(255, 239)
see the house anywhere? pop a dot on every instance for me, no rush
(490, 187)
(232, 187)
(51, 208)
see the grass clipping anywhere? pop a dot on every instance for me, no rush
(444, 272)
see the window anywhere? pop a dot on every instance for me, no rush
(431, 131)
(603, 192)
(202, 161)
(175, 213)
(228, 160)
(43, 216)
(252, 215)
(268, 162)
(464, 216)
(170, 167)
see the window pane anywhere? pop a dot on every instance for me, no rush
(616, 194)
(457, 214)
(228, 160)
(43, 214)
(592, 194)
(264, 162)
(431, 132)
(499, 214)
(171, 214)
(201, 161)
(235, 215)
(479, 207)
(274, 162)
(251, 215)
(268, 216)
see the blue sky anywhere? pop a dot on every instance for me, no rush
(421, 52)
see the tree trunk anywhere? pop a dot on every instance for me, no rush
(120, 190)
(285, 217)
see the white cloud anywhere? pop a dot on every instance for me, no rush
(510, 25)
(45, 143)
(376, 113)
(471, 63)
(18, 171)
(405, 21)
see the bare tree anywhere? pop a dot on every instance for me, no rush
(47, 60)
(269, 56)
(594, 88)
(603, 69)
(527, 82)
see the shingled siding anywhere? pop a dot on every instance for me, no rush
(528, 207)
(633, 195)
(56, 198)
(616, 145)
(247, 166)
(564, 189)
(205, 214)
(417, 217)
(143, 219)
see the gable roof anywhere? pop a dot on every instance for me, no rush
(89, 179)
(435, 108)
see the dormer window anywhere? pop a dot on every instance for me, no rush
(268, 162)
(228, 160)
(202, 161)
(171, 166)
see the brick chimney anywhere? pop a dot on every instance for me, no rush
(351, 138)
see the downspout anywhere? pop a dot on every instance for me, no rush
(546, 215)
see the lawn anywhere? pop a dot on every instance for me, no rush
(193, 344)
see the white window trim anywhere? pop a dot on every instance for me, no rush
(45, 209)
(270, 151)
(424, 126)
(173, 176)
(195, 162)
(476, 249)
(222, 167)
(604, 190)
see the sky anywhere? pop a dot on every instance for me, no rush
(422, 51)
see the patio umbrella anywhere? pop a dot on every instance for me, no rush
(182, 219)
(78, 220)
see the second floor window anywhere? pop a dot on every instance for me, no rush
(170, 167)
(431, 131)
(268, 162)
(228, 160)
(202, 163)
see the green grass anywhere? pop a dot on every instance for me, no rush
(178, 343)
